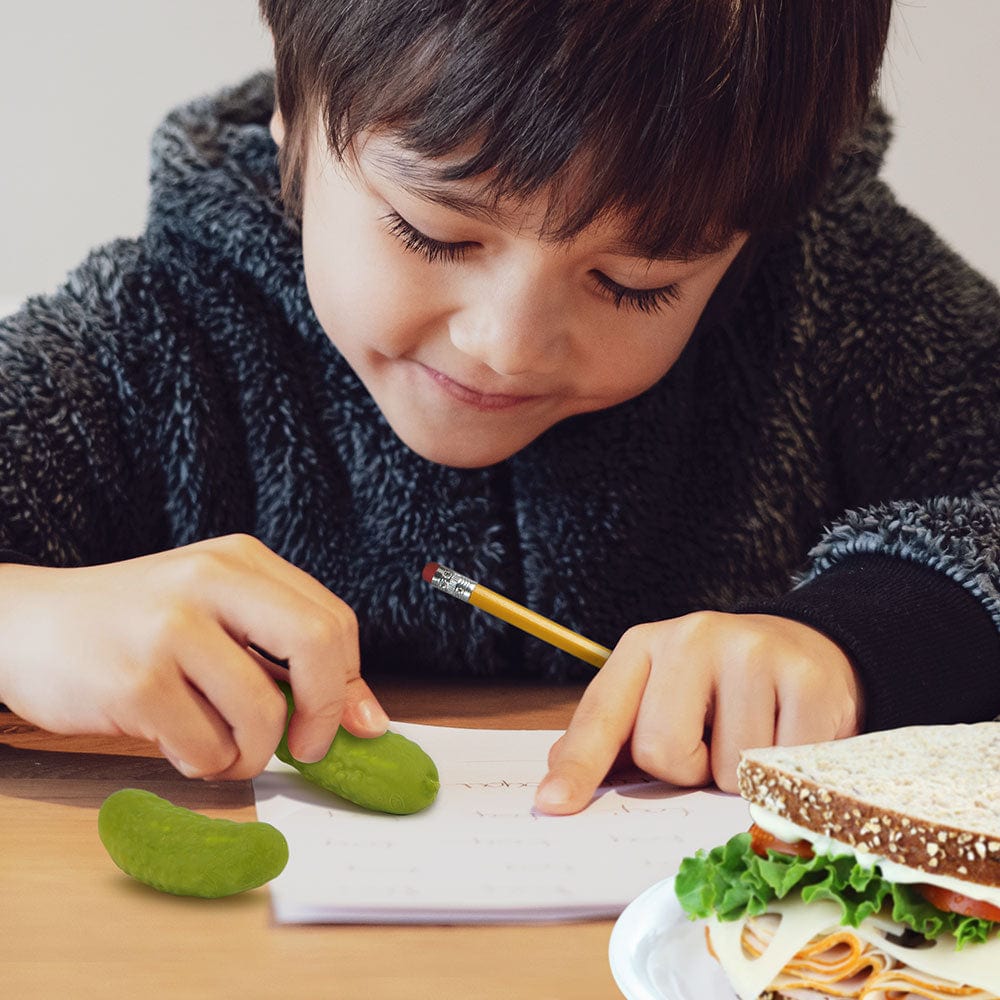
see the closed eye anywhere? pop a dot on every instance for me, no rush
(418, 242)
(645, 300)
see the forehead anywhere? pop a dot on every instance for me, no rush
(428, 178)
(385, 157)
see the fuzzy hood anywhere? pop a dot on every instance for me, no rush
(179, 387)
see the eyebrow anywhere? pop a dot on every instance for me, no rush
(625, 247)
(464, 204)
(415, 180)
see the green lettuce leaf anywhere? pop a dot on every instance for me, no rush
(731, 882)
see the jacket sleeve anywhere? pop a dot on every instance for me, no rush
(65, 470)
(906, 579)
(924, 641)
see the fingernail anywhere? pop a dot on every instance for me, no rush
(188, 770)
(371, 715)
(311, 755)
(554, 793)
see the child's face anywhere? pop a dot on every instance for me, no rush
(471, 334)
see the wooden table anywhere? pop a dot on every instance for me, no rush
(72, 925)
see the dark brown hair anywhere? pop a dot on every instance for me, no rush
(693, 119)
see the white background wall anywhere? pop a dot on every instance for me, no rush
(82, 85)
(941, 80)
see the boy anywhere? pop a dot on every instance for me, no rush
(602, 304)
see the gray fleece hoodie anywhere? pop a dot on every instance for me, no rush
(826, 448)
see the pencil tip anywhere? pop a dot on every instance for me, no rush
(429, 570)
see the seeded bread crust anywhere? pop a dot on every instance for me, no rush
(923, 796)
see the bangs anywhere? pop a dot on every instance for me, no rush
(688, 121)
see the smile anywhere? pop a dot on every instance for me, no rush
(474, 397)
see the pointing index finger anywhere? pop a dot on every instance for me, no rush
(600, 727)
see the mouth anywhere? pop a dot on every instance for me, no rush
(474, 397)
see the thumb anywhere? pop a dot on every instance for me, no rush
(363, 715)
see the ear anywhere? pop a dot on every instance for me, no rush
(277, 127)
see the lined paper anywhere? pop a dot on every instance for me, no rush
(481, 853)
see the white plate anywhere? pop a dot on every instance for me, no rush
(656, 953)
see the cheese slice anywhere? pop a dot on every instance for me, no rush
(751, 975)
(809, 943)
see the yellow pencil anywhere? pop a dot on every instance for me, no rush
(515, 614)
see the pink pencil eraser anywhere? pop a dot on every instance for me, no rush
(429, 570)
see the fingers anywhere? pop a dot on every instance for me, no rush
(599, 728)
(178, 667)
(281, 609)
(363, 715)
(817, 706)
(218, 604)
(708, 673)
(755, 680)
(828, 700)
(189, 731)
(323, 653)
(803, 714)
(669, 738)
(250, 714)
(355, 708)
(745, 717)
(244, 697)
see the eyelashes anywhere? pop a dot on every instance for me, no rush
(416, 242)
(643, 300)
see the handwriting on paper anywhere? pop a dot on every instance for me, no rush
(481, 852)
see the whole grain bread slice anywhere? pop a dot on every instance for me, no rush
(923, 796)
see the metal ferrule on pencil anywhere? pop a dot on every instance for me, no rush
(468, 590)
(452, 583)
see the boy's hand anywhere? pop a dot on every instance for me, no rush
(157, 647)
(749, 680)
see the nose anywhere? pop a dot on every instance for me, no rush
(513, 328)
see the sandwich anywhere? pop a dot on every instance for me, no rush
(871, 869)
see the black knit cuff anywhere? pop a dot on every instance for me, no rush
(926, 649)
(8, 556)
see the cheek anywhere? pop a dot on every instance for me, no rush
(643, 356)
(362, 291)
(338, 271)
(655, 348)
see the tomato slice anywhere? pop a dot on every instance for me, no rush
(761, 842)
(957, 902)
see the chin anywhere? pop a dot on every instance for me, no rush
(460, 452)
